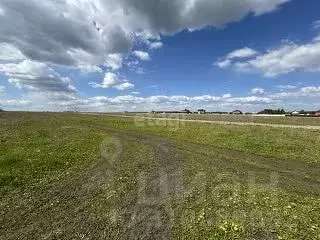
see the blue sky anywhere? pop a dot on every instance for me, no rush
(137, 55)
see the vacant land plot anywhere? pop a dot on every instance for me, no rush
(70, 176)
(285, 120)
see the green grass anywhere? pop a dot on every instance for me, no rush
(285, 120)
(72, 176)
(34, 148)
(272, 142)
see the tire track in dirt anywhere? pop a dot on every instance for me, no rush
(151, 217)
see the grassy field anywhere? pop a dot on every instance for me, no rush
(73, 176)
(286, 120)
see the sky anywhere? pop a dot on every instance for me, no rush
(143, 55)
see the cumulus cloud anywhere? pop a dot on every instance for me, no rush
(2, 89)
(35, 76)
(308, 91)
(114, 61)
(143, 56)
(60, 32)
(124, 86)
(88, 35)
(10, 53)
(300, 98)
(283, 60)
(150, 40)
(257, 90)
(156, 45)
(80, 32)
(163, 100)
(112, 80)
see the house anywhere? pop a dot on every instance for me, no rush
(317, 114)
(201, 111)
(237, 112)
(295, 113)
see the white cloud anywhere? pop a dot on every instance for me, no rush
(316, 24)
(237, 54)
(308, 91)
(306, 97)
(134, 66)
(14, 103)
(316, 39)
(35, 76)
(81, 32)
(114, 61)
(177, 102)
(2, 89)
(223, 64)
(9, 53)
(112, 80)
(135, 93)
(250, 100)
(283, 60)
(151, 40)
(311, 90)
(143, 56)
(89, 68)
(257, 90)
(2, 12)
(242, 53)
(228, 95)
(156, 45)
(124, 86)
(286, 87)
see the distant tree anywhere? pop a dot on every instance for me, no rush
(1, 110)
(273, 111)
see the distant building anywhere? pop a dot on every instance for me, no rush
(295, 113)
(317, 114)
(201, 111)
(237, 112)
